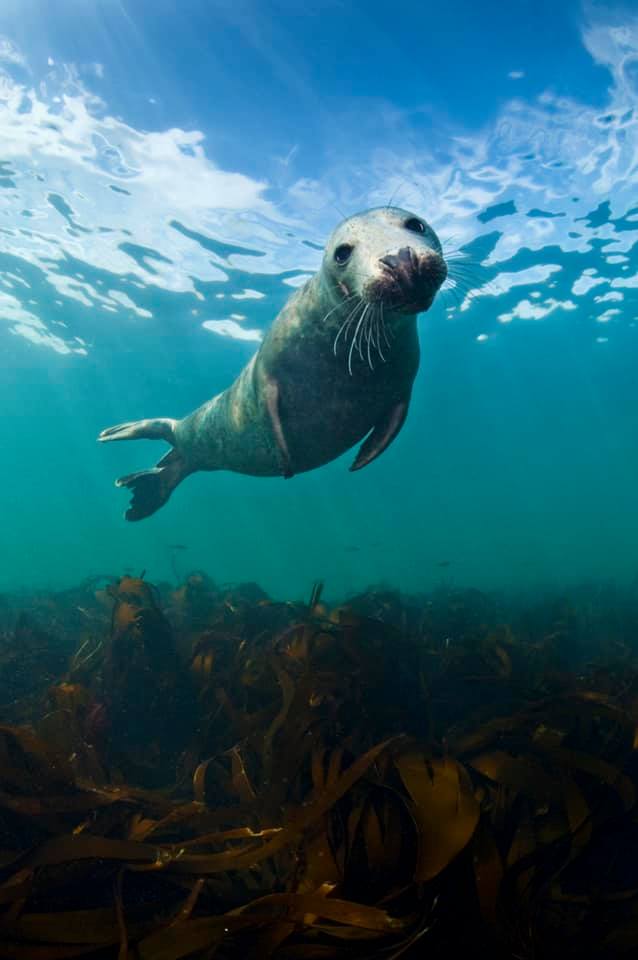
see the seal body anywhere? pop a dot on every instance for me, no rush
(337, 364)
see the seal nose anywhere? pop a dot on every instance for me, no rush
(410, 278)
(404, 258)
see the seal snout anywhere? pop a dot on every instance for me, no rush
(405, 259)
(410, 279)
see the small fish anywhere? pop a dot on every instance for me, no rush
(177, 546)
(351, 549)
(444, 563)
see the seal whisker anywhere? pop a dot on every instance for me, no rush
(352, 319)
(463, 270)
(363, 336)
(451, 296)
(346, 326)
(385, 331)
(360, 331)
(353, 296)
(354, 339)
(462, 294)
(463, 283)
(377, 329)
(451, 246)
(369, 336)
(458, 268)
(395, 192)
(460, 287)
(374, 323)
(460, 256)
(450, 238)
(382, 329)
(466, 276)
(456, 292)
(458, 253)
(353, 322)
(471, 285)
(381, 354)
(460, 280)
(378, 307)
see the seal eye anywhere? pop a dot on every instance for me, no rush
(415, 225)
(342, 253)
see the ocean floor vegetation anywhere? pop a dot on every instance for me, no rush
(201, 771)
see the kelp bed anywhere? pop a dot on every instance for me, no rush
(202, 772)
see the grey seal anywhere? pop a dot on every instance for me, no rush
(336, 366)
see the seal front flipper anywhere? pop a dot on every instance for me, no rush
(271, 393)
(382, 435)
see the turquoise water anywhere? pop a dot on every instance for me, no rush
(147, 240)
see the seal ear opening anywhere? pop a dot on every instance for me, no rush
(152, 488)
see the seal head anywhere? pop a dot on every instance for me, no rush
(386, 256)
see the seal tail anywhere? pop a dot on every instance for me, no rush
(151, 488)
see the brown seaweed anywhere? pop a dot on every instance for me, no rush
(215, 774)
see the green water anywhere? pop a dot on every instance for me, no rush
(140, 265)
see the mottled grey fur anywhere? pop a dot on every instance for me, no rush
(309, 393)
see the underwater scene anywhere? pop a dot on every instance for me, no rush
(319, 471)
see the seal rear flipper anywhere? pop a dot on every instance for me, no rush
(160, 428)
(382, 435)
(152, 488)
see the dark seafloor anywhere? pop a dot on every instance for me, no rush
(201, 771)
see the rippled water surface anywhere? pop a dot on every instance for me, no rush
(168, 176)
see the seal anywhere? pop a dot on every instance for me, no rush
(336, 366)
